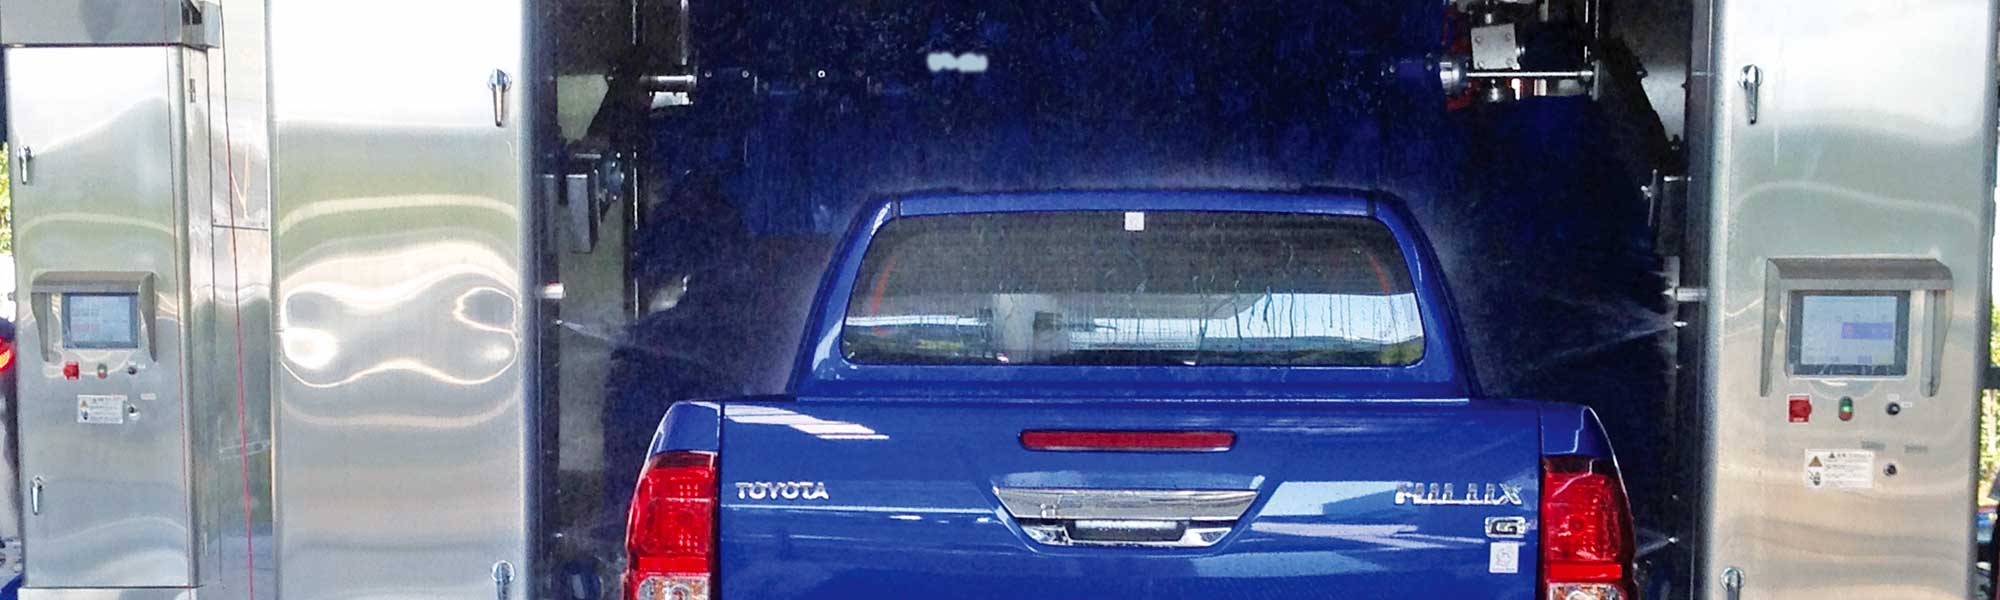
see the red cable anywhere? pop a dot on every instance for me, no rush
(242, 402)
(1381, 276)
(880, 285)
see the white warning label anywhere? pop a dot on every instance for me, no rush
(100, 410)
(1840, 469)
(1503, 557)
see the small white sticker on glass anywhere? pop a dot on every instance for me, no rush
(1503, 557)
(100, 410)
(1135, 221)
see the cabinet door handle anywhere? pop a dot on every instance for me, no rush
(503, 578)
(498, 83)
(27, 165)
(1732, 583)
(35, 496)
(1753, 83)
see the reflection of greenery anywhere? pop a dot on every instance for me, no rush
(1989, 420)
(6, 205)
(1403, 353)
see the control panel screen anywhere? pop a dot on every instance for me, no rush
(100, 321)
(1850, 333)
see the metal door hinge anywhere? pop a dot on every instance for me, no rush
(498, 83)
(1753, 83)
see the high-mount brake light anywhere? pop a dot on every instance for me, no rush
(1127, 441)
(1586, 531)
(670, 532)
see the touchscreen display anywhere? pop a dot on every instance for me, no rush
(1850, 333)
(100, 321)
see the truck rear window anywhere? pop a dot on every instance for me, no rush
(1132, 288)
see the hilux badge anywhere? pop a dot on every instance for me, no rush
(1446, 494)
(781, 490)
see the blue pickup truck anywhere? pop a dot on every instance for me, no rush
(1131, 394)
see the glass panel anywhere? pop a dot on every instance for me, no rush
(1130, 288)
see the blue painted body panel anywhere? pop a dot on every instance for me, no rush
(911, 511)
(1572, 429)
(695, 426)
(910, 455)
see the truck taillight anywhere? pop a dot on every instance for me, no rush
(670, 532)
(1586, 531)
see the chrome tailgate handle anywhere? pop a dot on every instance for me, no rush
(1166, 505)
(1133, 518)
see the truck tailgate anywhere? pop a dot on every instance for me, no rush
(882, 499)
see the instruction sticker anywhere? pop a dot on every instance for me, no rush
(1503, 557)
(100, 410)
(1840, 469)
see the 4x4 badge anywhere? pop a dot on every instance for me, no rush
(1434, 494)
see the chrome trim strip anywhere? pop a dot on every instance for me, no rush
(1058, 534)
(1158, 505)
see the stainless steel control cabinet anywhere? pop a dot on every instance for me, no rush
(143, 286)
(1844, 153)
(110, 403)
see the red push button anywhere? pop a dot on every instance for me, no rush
(72, 371)
(1801, 408)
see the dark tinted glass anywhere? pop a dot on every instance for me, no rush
(1128, 288)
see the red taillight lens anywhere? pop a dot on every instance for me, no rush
(670, 535)
(1127, 441)
(1586, 531)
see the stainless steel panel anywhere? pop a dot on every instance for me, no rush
(244, 172)
(405, 300)
(109, 594)
(98, 22)
(239, 557)
(231, 430)
(1873, 139)
(107, 195)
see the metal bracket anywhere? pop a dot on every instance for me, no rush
(1495, 47)
(1688, 295)
(584, 193)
